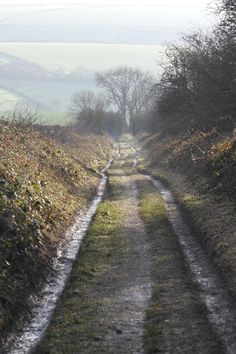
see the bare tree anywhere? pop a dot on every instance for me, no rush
(140, 100)
(82, 101)
(128, 89)
(88, 110)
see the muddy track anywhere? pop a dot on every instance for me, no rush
(220, 309)
(111, 303)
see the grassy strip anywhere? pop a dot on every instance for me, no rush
(77, 322)
(175, 322)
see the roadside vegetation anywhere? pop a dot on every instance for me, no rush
(197, 88)
(194, 147)
(208, 199)
(121, 107)
(46, 176)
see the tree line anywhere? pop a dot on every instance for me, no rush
(197, 89)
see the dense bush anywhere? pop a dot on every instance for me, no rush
(197, 90)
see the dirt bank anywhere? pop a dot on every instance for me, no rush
(43, 183)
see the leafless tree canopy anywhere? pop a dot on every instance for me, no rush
(91, 113)
(87, 100)
(128, 89)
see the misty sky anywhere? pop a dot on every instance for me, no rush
(164, 18)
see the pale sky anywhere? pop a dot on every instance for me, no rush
(113, 21)
(104, 2)
(112, 12)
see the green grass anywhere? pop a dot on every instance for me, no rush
(6, 99)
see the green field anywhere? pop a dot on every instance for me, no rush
(54, 118)
(93, 57)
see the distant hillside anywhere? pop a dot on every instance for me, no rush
(15, 67)
(42, 89)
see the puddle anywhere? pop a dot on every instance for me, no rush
(26, 340)
(221, 312)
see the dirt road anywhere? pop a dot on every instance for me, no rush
(132, 289)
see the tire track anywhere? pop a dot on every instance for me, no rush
(220, 309)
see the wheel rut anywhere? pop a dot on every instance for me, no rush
(111, 303)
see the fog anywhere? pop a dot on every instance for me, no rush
(50, 49)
